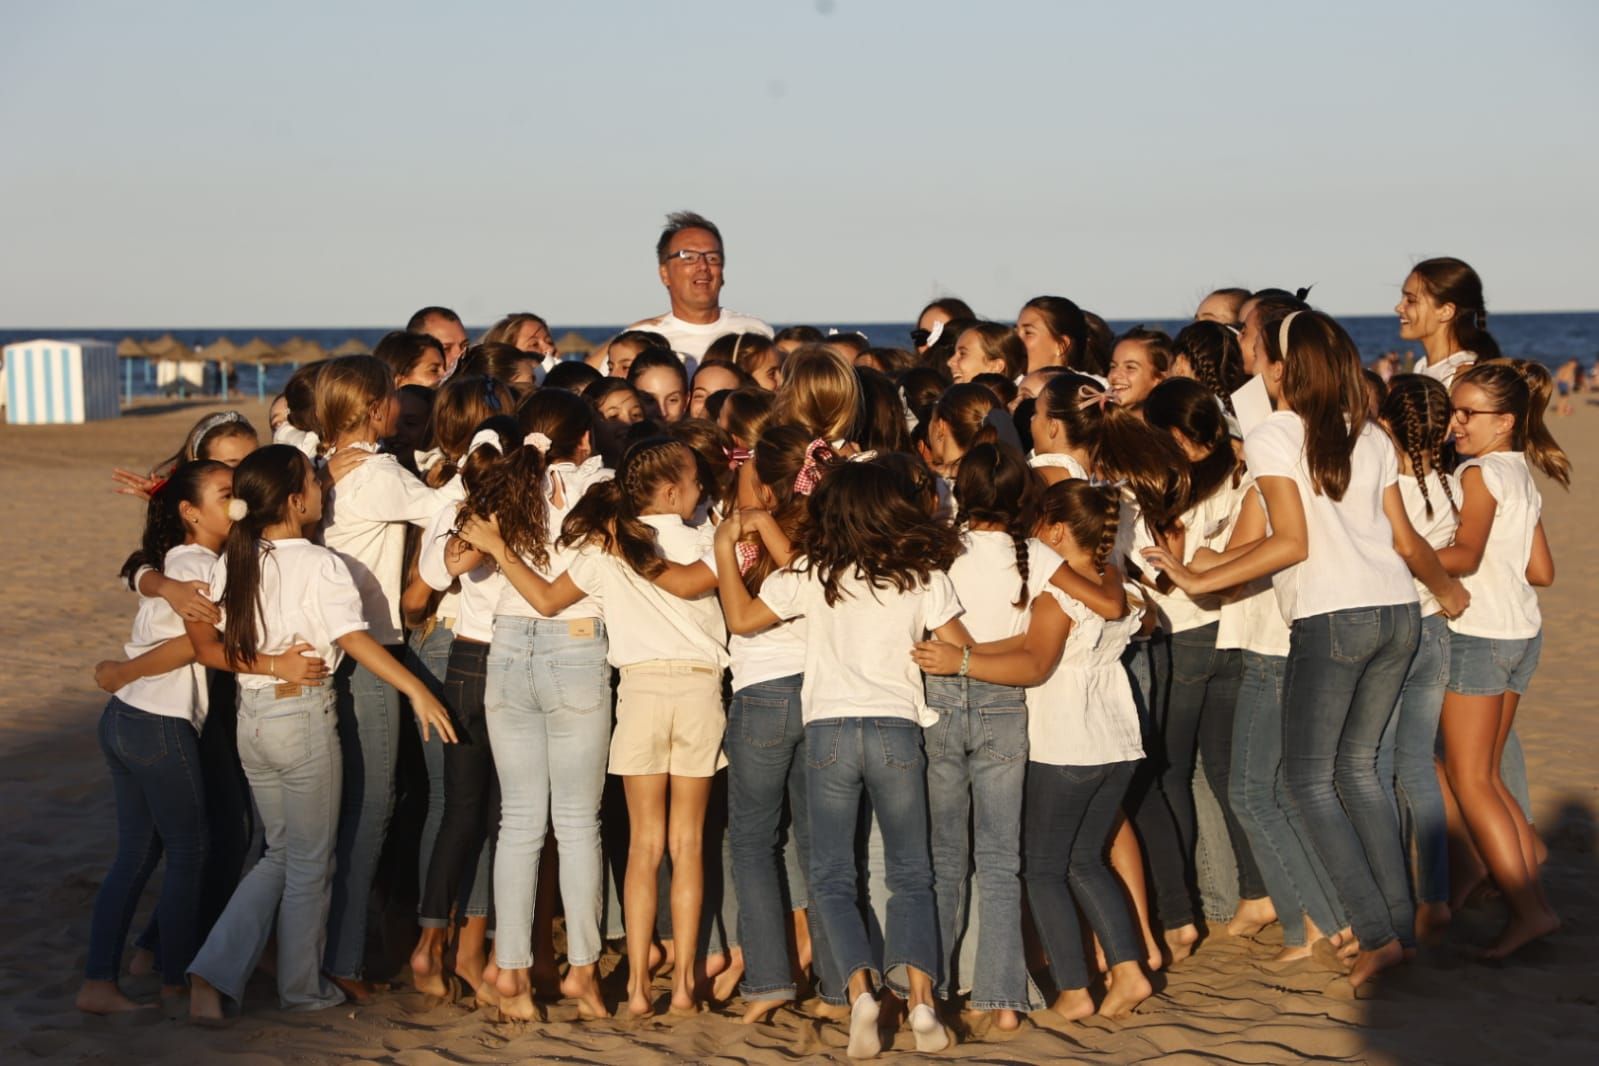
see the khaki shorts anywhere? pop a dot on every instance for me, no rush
(669, 720)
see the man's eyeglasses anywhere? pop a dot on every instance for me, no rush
(689, 257)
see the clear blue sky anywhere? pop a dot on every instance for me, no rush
(341, 163)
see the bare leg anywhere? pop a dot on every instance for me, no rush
(726, 984)
(582, 984)
(1466, 870)
(1180, 942)
(471, 951)
(646, 812)
(1252, 916)
(1524, 833)
(686, 839)
(1127, 860)
(545, 977)
(427, 962)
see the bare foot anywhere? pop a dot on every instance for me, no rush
(1129, 989)
(1073, 1004)
(1180, 942)
(1007, 1020)
(515, 994)
(356, 991)
(579, 984)
(1522, 931)
(1369, 964)
(205, 1002)
(1252, 916)
(104, 997)
(427, 964)
(1466, 888)
(758, 1010)
(1345, 946)
(684, 1001)
(639, 1004)
(487, 987)
(725, 985)
(142, 962)
(1432, 919)
(1292, 953)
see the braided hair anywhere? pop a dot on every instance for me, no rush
(1092, 513)
(609, 513)
(994, 484)
(1417, 415)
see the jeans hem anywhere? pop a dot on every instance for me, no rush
(576, 962)
(774, 992)
(998, 1004)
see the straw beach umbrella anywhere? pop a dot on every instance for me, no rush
(574, 343)
(352, 346)
(128, 348)
(259, 352)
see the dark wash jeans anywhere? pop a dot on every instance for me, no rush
(1345, 670)
(1148, 665)
(160, 796)
(459, 867)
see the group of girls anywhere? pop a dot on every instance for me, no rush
(1034, 631)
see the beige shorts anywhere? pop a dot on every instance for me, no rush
(669, 720)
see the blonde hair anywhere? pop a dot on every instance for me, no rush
(820, 392)
(347, 388)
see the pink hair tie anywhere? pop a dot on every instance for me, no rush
(736, 457)
(1091, 397)
(810, 474)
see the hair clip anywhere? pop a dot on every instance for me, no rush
(736, 457)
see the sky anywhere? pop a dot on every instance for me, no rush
(169, 164)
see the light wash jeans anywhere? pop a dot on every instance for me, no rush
(976, 773)
(1296, 880)
(547, 703)
(1345, 670)
(428, 658)
(1405, 763)
(290, 752)
(882, 758)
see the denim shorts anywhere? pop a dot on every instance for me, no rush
(1485, 666)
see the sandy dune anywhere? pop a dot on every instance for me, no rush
(64, 534)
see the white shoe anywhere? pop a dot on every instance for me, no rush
(864, 1040)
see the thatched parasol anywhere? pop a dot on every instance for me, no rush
(300, 350)
(170, 348)
(351, 347)
(128, 348)
(574, 343)
(256, 351)
(220, 350)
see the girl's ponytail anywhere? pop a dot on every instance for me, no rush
(994, 484)
(1417, 414)
(1522, 389)
(1092, 512)
(163, 518)
(1452, 281)
(262, 485)
(608, 514)
(503, 473)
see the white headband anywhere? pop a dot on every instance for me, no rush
(1282, 334)
(484, 438)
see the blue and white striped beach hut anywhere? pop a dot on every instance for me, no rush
(55, 381)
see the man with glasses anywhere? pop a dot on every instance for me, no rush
(691, 259)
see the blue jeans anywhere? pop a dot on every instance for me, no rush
(1071, 811)
(976, 774)
(290, 752)
(428, 657)
(547, 702)
(1295, 878)
(160, 796)
(1345, 670)
(369, 738)
(1405, 763)
(765, 774)
(882, 758)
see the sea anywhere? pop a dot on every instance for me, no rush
(1550, 337)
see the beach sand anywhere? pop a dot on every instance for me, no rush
(64, 535)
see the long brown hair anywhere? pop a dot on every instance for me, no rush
(820, 392)
(780, 453)
(264, 481)
(1091, 512)
(461, 404)
(1323, 385)
(1186, 406)
(1522, 389)
(999, 343)
(994, 484)
(609, 513)
(1416, 412)
(347, 388)
(163, 519)
(964, 409)
(1452, 281)
(868, 522)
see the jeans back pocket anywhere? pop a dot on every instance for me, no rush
(141, 738)
(762, 721)
(902, 743)
(1354, 636)
(821, 743)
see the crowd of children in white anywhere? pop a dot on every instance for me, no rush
(921, 677)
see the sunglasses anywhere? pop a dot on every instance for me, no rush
(919, 337)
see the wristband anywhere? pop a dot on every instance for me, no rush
(272, 668)
(966, 659)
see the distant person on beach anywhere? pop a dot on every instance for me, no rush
(444, 325)
(690, 258)
(1442, 306)
(1568, 379)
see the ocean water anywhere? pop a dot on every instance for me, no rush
(1548, 337)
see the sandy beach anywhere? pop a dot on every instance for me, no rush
(64, 534)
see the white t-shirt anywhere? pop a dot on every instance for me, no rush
(1083, 713)
(858, 657)
(480, 586)
(363, 519)
(307, 594)
(179, 693)
(767, 654)
(1205, 525)
(1439, 529)
(1446, 370)
(1252, 620)
(1351, 561)
(1503, 605)
(987, 583)
(690, 339)
(574, 481)
(1058, 461)
(646, 623)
